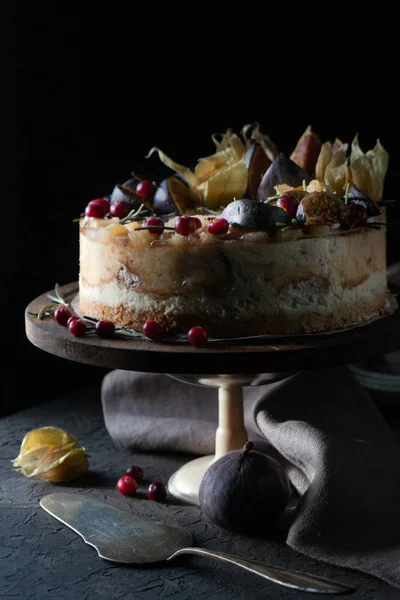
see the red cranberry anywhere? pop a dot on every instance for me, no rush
(73, 318)
(157, 491)
(153, 330)
(127, 485)
(95, 210)
(185, 225)
(135, 472)
(62, 314)
(103, 201)
(197, 336)
(105, 329)
(289, 204)
(77, 327)
(145, 189)
(157, 222)
(218, 226)
(198, 222)
(120, 209)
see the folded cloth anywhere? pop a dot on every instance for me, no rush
(339, 453)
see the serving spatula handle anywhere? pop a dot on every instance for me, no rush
(288, 578)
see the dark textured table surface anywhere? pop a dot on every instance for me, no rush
(41, 558)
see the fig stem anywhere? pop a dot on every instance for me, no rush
(247, 447)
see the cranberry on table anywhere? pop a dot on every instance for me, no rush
(197, 336)
(73, 318)
(95, 210)
(218, 226)
(120, 209)
(185, 225)
(153, 330)
(62, 314)
(157, 491)
(105, 329)
(77, 327)
(135, 472)
(289, 204)
(155, 222)
(127, 485)
(146, 190)
(103, 202)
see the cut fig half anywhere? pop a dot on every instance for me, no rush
(257, 163)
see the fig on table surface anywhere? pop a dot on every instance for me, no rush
(307, 151)
(254, 215)
(244, 491)
(281, 170)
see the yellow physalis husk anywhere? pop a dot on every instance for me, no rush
(369, 169)
(51, 454)
(218, 178)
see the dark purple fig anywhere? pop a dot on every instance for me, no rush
(254, 215)
(281, 170)
(320, 208)
(125, 191)
(163, 202)
(257, 163)
(354, 215)
(355, 196)
(173, 195)
(244, 491)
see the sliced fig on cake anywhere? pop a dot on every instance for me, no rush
(307, 151)
(282, 170)
(320, 208)
(174, 195)
(125, 192)
(254, 215)
(257, 163)
(355, 196)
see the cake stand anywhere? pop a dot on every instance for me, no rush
(227, 366)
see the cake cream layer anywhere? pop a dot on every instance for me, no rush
(235, 287)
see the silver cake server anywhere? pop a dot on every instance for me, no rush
(122, 537)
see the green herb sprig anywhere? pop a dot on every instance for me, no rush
(56, 300)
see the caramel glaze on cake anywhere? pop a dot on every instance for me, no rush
(287, 281)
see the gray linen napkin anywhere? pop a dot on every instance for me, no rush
(339, 453)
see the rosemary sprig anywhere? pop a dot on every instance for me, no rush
(141, 211)
(346, 193)
(160, 227)
(50, 307)
(271, 198)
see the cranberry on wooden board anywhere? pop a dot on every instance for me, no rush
(197, 336)
(153, 330)
(62, 314)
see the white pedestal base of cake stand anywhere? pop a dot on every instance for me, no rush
(231, 433)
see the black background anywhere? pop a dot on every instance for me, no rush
(90, 90)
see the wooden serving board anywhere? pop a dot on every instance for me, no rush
(281, 354)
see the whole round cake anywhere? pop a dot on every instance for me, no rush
(250, 242)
